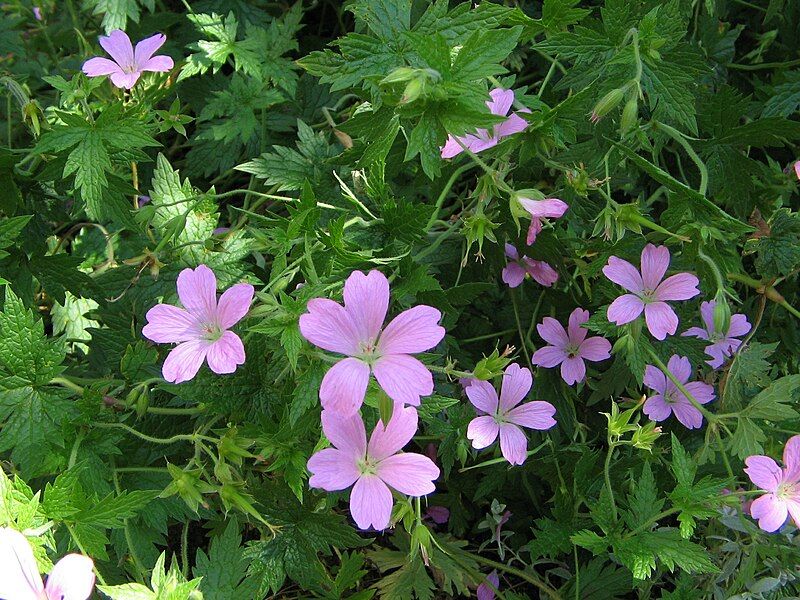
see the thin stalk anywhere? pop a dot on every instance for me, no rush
(607, 477)
(535, 581)
(182, 437)
(519, 326)
(77, 541)
(681, 139)
(128, 538)
(443, 194)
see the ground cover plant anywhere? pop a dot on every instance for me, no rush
(398, 299)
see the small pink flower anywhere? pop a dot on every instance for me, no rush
(669, 399)
(438, 514)
(723, 344)
(128, 64)
(37, 13)
(503, 417)
(782, 487)
(649, 292)
(569, 348)
(540, 209)
(481, 140)
(201, 328)
(355, 330)
(797, 169)
(517, 268)
(71, 579)
(487, 589)
(371, 468)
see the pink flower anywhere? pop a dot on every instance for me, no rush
(669, 399)
(487, 589)
(650, 293)
(355, 331)
(540, 209)
(481, 140)
(438, 514)
(71, 579)
(797, 169)
(373, 467)
(569, 348)
(782, 487)
(723, 344)
(516, 269)
(502, 416)
(201, 328)
(128, 64)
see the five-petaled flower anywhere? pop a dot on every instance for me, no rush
(517, 268)
(371, 468)
(723, 343)
(782, 487)
(669, 399)
(129, 63)
(72, 578)
(202, 328)
(649, 292)
(501, 416)
(570, 348)
(355, 330)
(552, 208)
(481, 140)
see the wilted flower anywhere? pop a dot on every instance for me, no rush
(355, 330)
(570, 348)
(129, 63)
(669, 399)
(202, 328)
(72, 578)
(501, 416)
(516, 269)
(540, 209)
(782, 486)
(481, 140)
(649, 292)
(723, 344)
(371, 468)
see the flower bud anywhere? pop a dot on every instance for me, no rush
(630, 115)
(413, 90)
(606, 104)
(491, 366)
(645, 436)
(399, 75)
(722, 313)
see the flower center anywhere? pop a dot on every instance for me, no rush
(787, 491)
(572, 350)
(366, 466)
(647, 295)
(368, 351)
(211, 332)
(129, 68)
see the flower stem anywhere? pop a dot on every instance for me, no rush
(681, 139)
(607, 476)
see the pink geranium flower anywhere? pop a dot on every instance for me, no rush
(201, 328)
(668, 399)
(371, 468)
(649, 292)
(481, 140)
(782, 487)
(129, 63)
(355, 331)
(501, 416)
(723, 343)
(540, 209)
(71, 579)
(797, 169)
(517, 268)
(569, 348)
(487, 589)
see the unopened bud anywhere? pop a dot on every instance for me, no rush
(722, 313)
(413, 90)
(630, 115)
(606, 104)
(400, 74)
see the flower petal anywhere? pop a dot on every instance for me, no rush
(332, 470)
(72, 578)
(739, 326)
(707, 314)
(344, 385)
(167, 324)
(119, 46)
(403, 378)
(414, 330)
(534, 415)
(553, 332)
(656, 408)
(501, 101)
(625, 309)
(452, 148)
(197, 289)
(573, 370)
(678, 287)
(575, 331)
(717, 352)
(409, 473)
(687, 414)
(184, 361)
(486, 590)
(483, 396)
(98, 66)
(345, 432)
(541, 272)
(226, 353)
(328, 325)
(701, 391)
(511, 252)
(655, 260)
(482, 431)
(548, 357)
(661, 319)
(595, 349)
(390, 439)
(655, 379)
(513, 443)
(147, 47)
(517, 382)
(125, 80)
(234, 304)
(513, 124)
(680, 367)
(764, 472)
(549, 207)
(623, 273)
(791, 458)
(21, 579)
(366, 300)
(513, 274)
(769, 511)
(697, 332)
(371, 503)
(158, 64)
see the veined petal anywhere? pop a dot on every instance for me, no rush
(451, 147)
(486, 591)
(707, 314)
(332, 470)
(701, 391)
(548, 357)
(534, 415)
(791, 458)
(655, 261)
(697, 332)
(98, 66)
(184, 361)
(414, 330)
(680, 367)
(501, 101)
(553, 332)
(167, 324)
(661, 319)
(409, 473)
(678, 287)
(125, 80)
(118, 45)
(345, 432)
(366, 300)
(769, 511)
(687, 414)
(517, 382)
(513, 443)
(656, 408)
(595, 349)
(147, 47)
(21, 579)
(387, 440)
(624, 309)
(72, 578)
(513, 124)
(623, 273)
(575, 331)
(764, 472)
(549, 207)
(482, 431)
(403, 378)
(225, 354)
(511, 251)
(234, 304)
(197, 289)
(739, 326)
(655, 379)
(344, 386)
(329, 326)
(483, 396)
(371, 503)
(158, 64)
(573, 370)
(513, 274)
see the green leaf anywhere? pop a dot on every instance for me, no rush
(223, 570)
(127, 591)
(784, 99)
(643, 502)
(683, 467)
(747, 440)
(409, 581)
(778, 252)
(111, 511)
(640, 553)
(481, 54)
(773, 404)
(117, 12)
